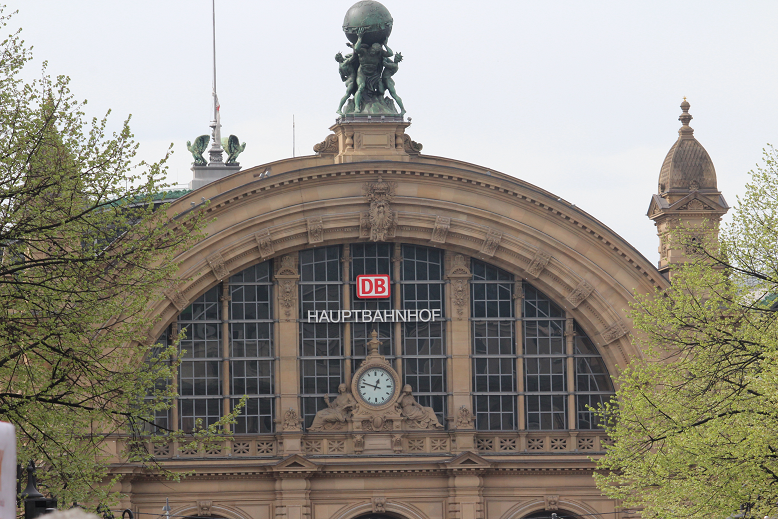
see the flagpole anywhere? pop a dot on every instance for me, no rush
(213, 18)
(216, 146)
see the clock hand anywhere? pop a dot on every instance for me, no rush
(371, 385)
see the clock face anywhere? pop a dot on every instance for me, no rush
(376, 386)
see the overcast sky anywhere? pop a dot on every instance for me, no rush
(579, 98)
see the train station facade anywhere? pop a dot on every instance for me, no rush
(498, 323)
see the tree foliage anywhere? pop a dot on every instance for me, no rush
(84, 255)
(695, 429)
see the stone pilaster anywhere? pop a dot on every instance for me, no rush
(459, 334)
(287, 343)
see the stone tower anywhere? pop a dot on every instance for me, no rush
(687, 195)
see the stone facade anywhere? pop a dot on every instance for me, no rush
(365, 186)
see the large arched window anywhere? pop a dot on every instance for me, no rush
(533, 367)
(227, 353)
(559, 367)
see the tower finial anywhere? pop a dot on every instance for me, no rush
(686, 131)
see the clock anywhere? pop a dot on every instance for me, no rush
(376, 386)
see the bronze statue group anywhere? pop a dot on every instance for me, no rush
(368, 72)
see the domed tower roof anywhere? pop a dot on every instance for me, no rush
(687, 166)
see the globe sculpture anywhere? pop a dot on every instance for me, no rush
(373, 16)
(367, 71)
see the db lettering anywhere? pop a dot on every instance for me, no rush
(371, 286)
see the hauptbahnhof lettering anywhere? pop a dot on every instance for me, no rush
(374, 316)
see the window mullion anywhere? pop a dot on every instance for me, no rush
(225, 302)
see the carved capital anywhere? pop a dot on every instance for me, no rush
(439, 232)
(286, 266)
(538, 263)
(615, 331)
(491, 242)
(569, 327)
(265, 243)
(518, 290)
(220, 270)
(315, 229)
(178, 299)
(459, 267)
(580, 293)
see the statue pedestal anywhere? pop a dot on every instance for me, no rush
(362, 138)
(206, 174)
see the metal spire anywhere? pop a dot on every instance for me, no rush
(216, 134)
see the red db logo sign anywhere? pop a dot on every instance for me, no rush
(373, 286)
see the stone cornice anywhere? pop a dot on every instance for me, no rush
(399, 171)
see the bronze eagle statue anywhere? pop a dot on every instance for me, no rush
(197, 149)
(233, 147)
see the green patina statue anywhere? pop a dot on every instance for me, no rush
(234, 148)
(197, 149)
(387, 83)
(368, 71)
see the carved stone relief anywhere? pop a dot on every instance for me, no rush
(379, 505)
(287, 284)
(265, 243)
(442, 225)
(364, 225)
(491, 242)
(695, 205)
(315, 229)
(613, 332)
(359, 443)
(381, 219)
(397, 443)
(411, 147)
(287, 266)
(580, 293)
(286, 295)
(465, 418)
(552, 502)
(178, 299)
(203, 508)
(292, 420)
(459, 266)
(329, 146)
(220, 270)
(460, 276)
(538, 263)
(459, 292)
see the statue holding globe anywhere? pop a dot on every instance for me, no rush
(368, 71)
